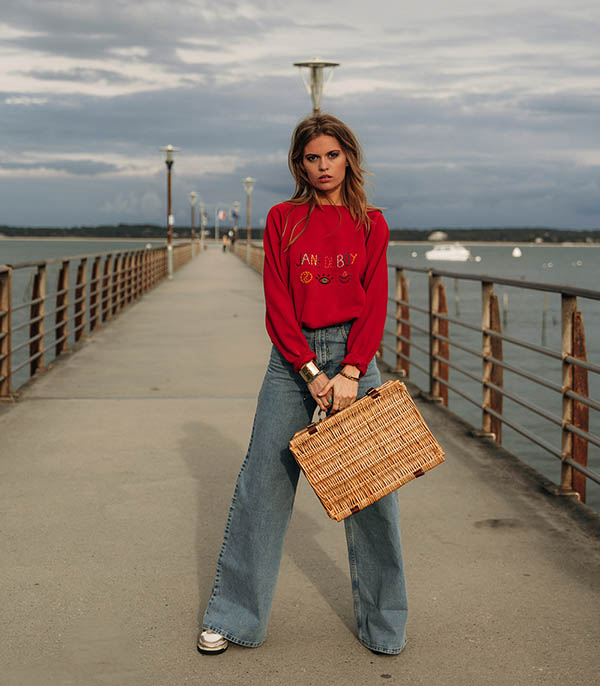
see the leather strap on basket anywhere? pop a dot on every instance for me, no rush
(373, 393)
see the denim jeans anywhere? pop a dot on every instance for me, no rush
(248, 564)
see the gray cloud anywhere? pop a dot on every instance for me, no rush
(76, 167)
(80, 75)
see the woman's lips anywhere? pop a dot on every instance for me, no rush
(325, 177)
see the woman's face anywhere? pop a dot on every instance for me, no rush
(325, 164)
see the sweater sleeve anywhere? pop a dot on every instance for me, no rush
(281, 322)
(367, 329)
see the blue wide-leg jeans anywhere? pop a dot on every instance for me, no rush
(248, 564)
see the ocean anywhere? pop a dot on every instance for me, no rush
(530, 315)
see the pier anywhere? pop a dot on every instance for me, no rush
(118, 464)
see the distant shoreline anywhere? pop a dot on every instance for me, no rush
(523, 244)
(85, 239)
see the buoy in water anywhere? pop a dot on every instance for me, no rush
(517, 252)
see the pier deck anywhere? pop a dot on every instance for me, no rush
(117, 468)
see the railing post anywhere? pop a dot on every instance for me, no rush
(442, 328)
(402, 327)
(80, 305)
(94, 293)
(497, 372)
(114, 296)
(37, 328)
(5, 332)
(62, 310)
(573, 379)
(487, 292)
(106, 288)
(581, 412)
(434, 343)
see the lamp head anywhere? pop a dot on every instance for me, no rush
(249, 184)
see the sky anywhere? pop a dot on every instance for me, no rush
(470, 113)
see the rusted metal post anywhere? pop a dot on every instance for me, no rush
(581, 412)
(106, 288)
(434, 344)
(37, 328)
(497, 372)
(487, 292)
(139, 275)
(61, 317)
(442, 328)
(116, 279)
(79, 305)
(128, 277)
(568, 309)
(402, 327)
(95, 294)
(5, 332)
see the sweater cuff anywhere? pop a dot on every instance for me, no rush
(361, 366)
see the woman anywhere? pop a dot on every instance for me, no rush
(325, 282)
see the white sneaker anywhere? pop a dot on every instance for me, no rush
(211, 643)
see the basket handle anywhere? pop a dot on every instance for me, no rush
(312, 428)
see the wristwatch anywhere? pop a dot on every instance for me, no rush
(309, 371)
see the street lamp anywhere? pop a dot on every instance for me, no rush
(202, 216)
(315, 87)
(169, 151)
(193, 196)
(248, 187)
(236, 215)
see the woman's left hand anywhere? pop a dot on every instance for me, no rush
(341, 390)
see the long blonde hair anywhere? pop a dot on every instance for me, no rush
(353, 195)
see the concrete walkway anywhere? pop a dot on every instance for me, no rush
(116, 472)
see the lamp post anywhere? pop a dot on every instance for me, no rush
(193, 197)
(248, 187)
(201, 217)
(169, 151)
(315, 87)
(236, 215)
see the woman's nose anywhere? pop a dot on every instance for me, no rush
(323, 163)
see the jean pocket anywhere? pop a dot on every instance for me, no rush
(345, 330)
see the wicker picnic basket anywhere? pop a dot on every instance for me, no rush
(354, 457)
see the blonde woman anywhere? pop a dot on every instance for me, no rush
(325, 283)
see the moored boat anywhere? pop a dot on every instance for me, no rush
(451, 252)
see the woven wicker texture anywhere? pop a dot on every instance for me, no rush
(353, 458)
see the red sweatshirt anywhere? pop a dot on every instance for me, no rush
(331, 274)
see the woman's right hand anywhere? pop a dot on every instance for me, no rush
(315, 387)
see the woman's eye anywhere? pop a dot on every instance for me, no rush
(333, 155)
(311, 158)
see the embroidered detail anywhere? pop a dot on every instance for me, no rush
(344, 277)
(313, 260)
(348, 258)
(306, 277)
(324, 278)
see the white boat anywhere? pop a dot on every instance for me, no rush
(517, 252)
(449, 252)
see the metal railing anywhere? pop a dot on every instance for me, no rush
(436, 343)
(426, 347)
(45, 324)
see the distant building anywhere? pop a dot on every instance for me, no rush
(438, 236)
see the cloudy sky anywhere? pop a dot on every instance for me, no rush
(471, 113)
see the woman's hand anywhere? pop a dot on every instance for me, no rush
(343, 389)
(316, 386)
